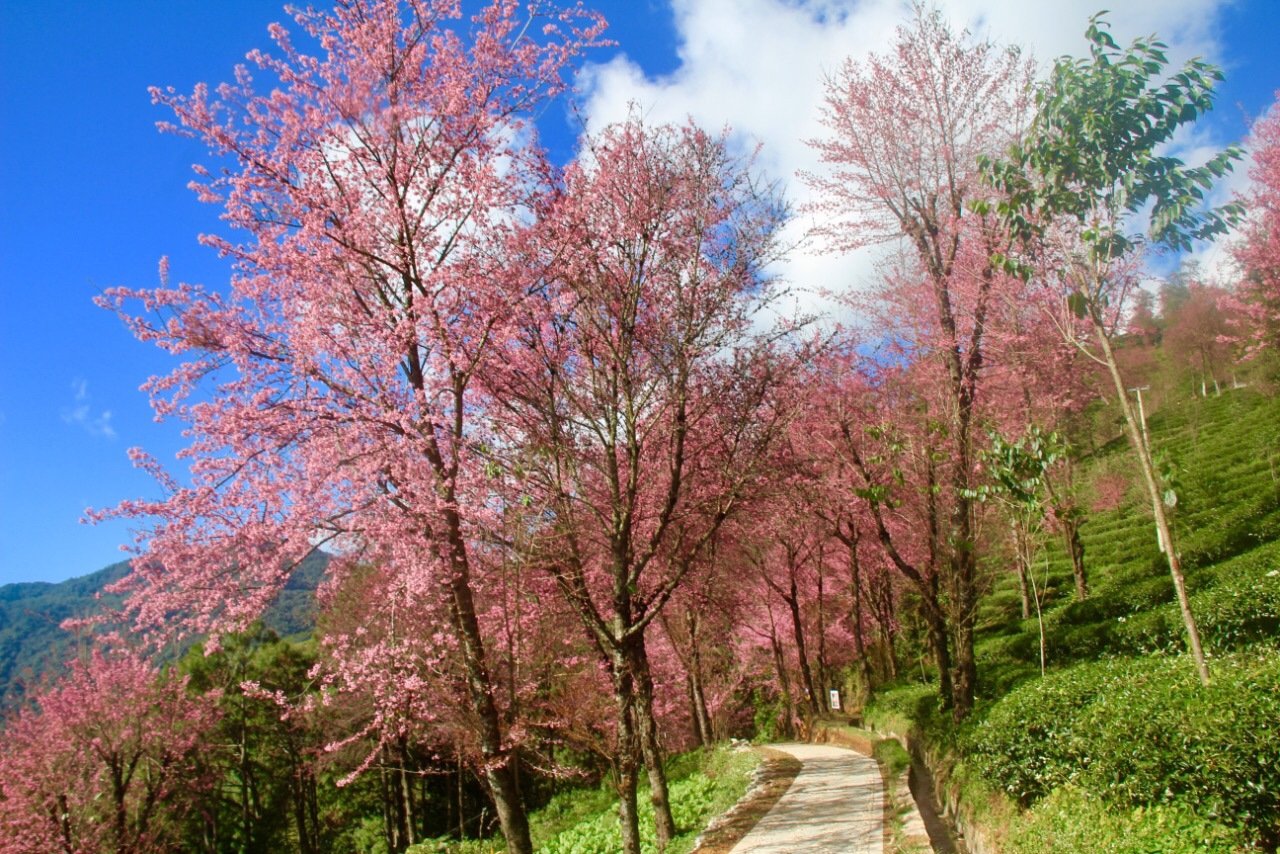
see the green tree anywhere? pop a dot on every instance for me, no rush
(1019, 473)
(1074, 185)
(266, 795)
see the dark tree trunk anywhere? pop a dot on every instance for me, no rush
(937, 629)
(501, 765)
(699, 734)
(797, 628)
(963, 578)
(626, 755)
(881, 592)
(966, 671)
(650, 745)
(1075, 550)
(784, 682)
(859, 644)
(698, 697)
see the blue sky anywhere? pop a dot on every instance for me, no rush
(94, 196)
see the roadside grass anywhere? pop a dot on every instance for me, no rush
(703, 784)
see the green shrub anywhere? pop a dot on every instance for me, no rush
(1138, 733)
(768, 720)
(892, 755)
(897, 709)
(568, 809)
(1068, 820)
(446, 845)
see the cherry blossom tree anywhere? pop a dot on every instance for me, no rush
(1198, 334)
(103, 761)
(787, 562)
(328, 390)
(1258, 253)
(886, 469)
(905, 133)
(701, 623)
(639, 403)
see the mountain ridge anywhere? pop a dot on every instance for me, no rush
(33, 642)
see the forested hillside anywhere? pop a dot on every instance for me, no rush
(33, 644)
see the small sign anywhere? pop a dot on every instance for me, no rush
(835, 700)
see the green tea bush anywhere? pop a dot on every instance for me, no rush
(1139, 733)
(1068, 820)
(1240, 608)
(1227, 532)
(1028, 743)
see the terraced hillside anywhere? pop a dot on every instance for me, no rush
(1119, 748)
(1226, 456)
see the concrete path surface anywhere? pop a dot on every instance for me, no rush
(836, 804)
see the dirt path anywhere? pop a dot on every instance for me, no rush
(835, 804)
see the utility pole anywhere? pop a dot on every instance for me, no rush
(1146, 442)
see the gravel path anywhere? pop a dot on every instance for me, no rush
(836, 804)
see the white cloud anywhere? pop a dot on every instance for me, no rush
(757, 66)
(80, 413)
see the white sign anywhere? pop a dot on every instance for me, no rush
(835, 700)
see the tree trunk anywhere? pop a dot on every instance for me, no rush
(626, 755)
(1024, 587)
(500, 765)
(882, 605)
(1163, 532)
(1075, 550)
(699, 734)
(937, 628)
(406, 793)
(651, 748)
(784, 681)
(966, 671)
(859, 645)
(823, 697)
(963, 582)
(700, 712)
(797, 627)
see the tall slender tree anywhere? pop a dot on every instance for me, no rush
(1091, 161)
(328, 390)
(904, 133)
(640, 404)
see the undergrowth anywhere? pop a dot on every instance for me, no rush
(703, 784)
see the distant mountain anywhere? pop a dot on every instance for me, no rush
(31, 613)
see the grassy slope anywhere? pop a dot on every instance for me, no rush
(1120, 684)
